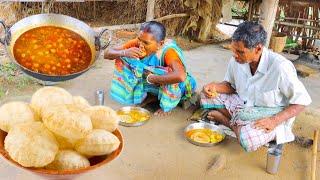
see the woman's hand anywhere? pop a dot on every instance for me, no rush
(133, 52)
(149, 77)
(210, 90)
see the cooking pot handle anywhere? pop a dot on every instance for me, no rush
(5, 28)
(104, 45)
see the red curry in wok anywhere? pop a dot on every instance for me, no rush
(52, 50)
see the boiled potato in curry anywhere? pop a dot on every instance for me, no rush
(52, 50)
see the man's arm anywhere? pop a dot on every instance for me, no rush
(291, 111)
(224, 87)
(268, 124)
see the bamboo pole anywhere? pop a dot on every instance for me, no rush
(94, 10)
(136, 26)
(297, 25)
(314, 155)
(298, 19)
(303, 37)
(65, 0)
(117, 27)
(311, 32)
(304, 30)
(300, 2)
(250, 10)
(172, 16)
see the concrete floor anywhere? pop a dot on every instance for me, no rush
(158, 149)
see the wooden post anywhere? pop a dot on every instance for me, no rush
(250, 14)
(268, 11)
(314, 155)
(150, 10)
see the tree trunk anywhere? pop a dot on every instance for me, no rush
(205, 29)
(150, 10)
(268, 10)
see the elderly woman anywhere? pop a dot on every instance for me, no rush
(261, 93)
(150, 68)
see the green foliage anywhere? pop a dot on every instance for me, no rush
(236, 11)
(2, 92)
(11, 75)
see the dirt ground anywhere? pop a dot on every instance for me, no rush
(158, 149)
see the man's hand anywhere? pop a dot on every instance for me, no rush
(133, 52)
(210, 90)
(269, 124)
(266, 124)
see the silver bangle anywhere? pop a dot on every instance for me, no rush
(124, 53)
(148, 78)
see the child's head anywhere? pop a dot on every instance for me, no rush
(151, 36)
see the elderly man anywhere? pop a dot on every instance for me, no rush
(261, 93)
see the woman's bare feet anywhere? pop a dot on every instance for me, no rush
(148, 100)
(160, 112)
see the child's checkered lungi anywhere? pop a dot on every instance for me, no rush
(250, 139)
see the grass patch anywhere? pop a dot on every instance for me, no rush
(2, 92)
(8, 69)
(12, 79)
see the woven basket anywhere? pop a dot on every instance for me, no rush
(278, 41)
